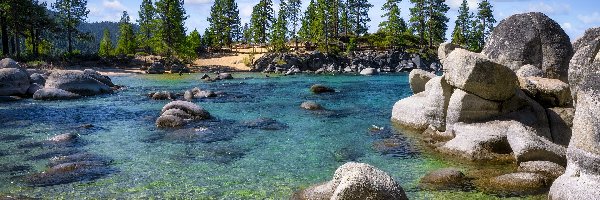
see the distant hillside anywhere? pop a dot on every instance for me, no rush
(96, 30)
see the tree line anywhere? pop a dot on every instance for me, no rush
(331, 26)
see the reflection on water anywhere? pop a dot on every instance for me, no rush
(261, 144)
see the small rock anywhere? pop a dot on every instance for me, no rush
(311, 105)
(550, 169)
(444, 179)
(520, 183)
(169, 121)
(67, 137)
(318, 89)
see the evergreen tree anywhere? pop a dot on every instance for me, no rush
(126, 42)
(147, 17)
(207, 40)
(247, 33)
(293, 15)
(278, 35)
(437, 22)
(344, 25)
(194, 43)
(358, 16)
(306, 32)
(417, 19)
(225, 22)
(461, 33)
(38, 23)
(70, 14)
(485, 14)
(395, 26)
(171, 29)
(106, 46)
(261, 20)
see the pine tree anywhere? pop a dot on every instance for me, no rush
(305, 31)
(485, 14)
(171, 29)
(106, 46)
(395, 26)
(147, 18)
(344, 25)
(247, 33)
(462, 28)
(293, 15)
(224, 22)
(437, 22)
(417, 19)
(261, 20)
(126, 42)
(70, 14)
(38, 23)
(194, 43)
(278, 35)
(358, 15)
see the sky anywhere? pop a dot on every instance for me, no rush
(574, 16)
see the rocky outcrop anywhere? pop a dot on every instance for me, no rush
(410, 112)
(549, 92)
(418, 78)
(49, 94)
(445, 49)
(469, 108)
(479, 141)
(14, 79)
(444, 179)
(584, 60)
(178, 113)
(474, 73)
(531, 38)
(561, 124)
(192, 109)
(156, 68)
(436, 103)
(78, 82)
(355, 181)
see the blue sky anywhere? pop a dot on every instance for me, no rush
(574, 16)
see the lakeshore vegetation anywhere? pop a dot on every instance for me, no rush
(32, 29)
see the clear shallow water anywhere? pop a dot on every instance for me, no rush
(240, 163)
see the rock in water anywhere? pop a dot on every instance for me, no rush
(418, 78)
(311, 105)
(368, 71)
(169, 121)
(410, 112)
(444, 179)
(196, 111)
(521, 183)
(476, 74)
(318, 89)
(436, 105)
(531, 38)
(76, 82)
(356, 181)
(54, 94)
(14, 79)
(224, 76)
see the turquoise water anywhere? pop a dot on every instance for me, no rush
(235, 162)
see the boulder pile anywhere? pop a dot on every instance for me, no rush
(513, 101)
(178, 113)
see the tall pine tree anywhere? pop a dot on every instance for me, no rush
(70, 14)
(485, 15)
(225, 23)
(126, 42)
(279, 33)
(146, 21)
(292, 10)
(437, 22)
(171, 29)
(394, 26)
(462, 28)
(417, 19)
(106, 46)
(306, 30)
(262, 20)
(358, 16)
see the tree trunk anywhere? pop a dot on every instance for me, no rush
(4, 28)
(17, 43)
(12, 45)
(70, 41)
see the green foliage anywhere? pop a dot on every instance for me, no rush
(171, 28)
(395, 26)
(106, 46)
(194, 44)
(225, 24)
(249, 60)
(279, 33)
(292, 10)
(470, 31)
(247, 34)
(126, 43)
(428, 20)
(261, 20)
(351, 45)
(358, 16)
(147, 22)
(71, 13)
(462, 27)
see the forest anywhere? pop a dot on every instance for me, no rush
(60, 30)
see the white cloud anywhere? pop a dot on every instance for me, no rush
(567, 26)
(550, 9)
(590, 19)
(113, 5)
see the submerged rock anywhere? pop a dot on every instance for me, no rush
(520, 183)
(194, 110)
(76, 82)
(356, 181)
(66, 137)
(444, 179)
(169, 121)
(54, 94)
(68, 173)
(163, 95)
(549, 169)
(265, 124)
(318, 89)
(531, 38)
(311, 105)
